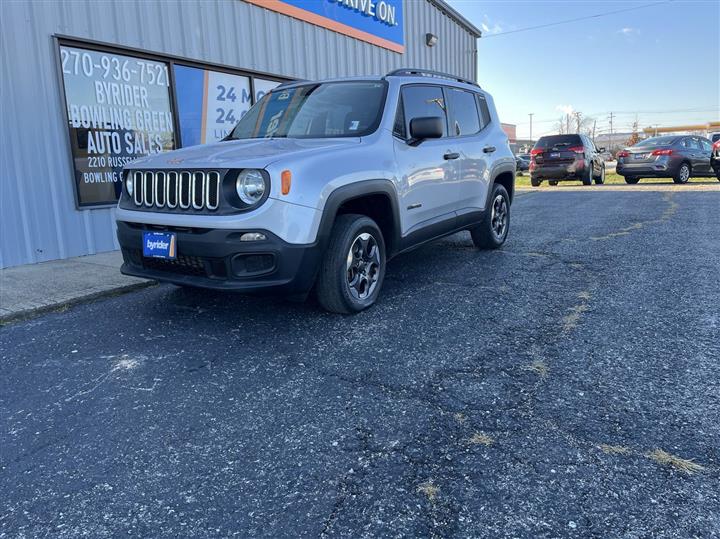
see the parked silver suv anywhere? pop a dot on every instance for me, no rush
(319, 185)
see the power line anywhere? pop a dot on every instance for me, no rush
(567, 21)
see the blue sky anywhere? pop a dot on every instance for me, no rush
(651, 60)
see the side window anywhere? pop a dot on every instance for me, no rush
(422, 101)
(706, 145)
(690, 143)
(399, 127)
(484, 111)
(463, 112)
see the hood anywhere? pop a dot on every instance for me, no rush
(247, 153)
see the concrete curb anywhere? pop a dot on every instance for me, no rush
(26, 314)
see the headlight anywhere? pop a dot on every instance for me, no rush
(130, 184)
(250, 186)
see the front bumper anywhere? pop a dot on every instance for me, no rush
(217, 259)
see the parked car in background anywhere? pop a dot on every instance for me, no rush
(319, 185)
(565, 158)
(607, 156)
(715, 157)
(522, 163)
(668, 156)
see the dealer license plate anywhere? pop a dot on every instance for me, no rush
(639, 156)
(160, 245)
(555, 154)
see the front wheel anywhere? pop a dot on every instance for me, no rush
(353, 266)
(632, 180)
(683, 174)
(493, 231)
(534, 182)
(552, 182)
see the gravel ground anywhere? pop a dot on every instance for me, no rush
(566, 385)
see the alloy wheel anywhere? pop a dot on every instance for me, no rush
(363, 266)
(499, 217)
(684, 174)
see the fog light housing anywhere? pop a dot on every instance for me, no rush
(253, 236)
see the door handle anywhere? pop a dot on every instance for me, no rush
(451, 155)
(489, 149)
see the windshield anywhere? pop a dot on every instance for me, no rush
(658, 141)
(331, 109)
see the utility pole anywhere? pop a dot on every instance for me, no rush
(594, 125)
(610, 142)
(531, 115)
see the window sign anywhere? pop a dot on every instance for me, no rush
(210, 103)
(118, 109)
(263, 86)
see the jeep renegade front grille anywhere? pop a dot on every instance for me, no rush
(183, 189)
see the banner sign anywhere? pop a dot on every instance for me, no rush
(379, 22)
(118, 109)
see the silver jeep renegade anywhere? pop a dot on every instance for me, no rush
(319, 185)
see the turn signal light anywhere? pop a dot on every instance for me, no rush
(285, 181)
(577, 149)
(662, 152)
(534, 152)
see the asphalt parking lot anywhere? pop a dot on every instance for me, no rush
(566, 385)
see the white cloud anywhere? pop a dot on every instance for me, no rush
(489, 27)
(565, 109)
(628, 31)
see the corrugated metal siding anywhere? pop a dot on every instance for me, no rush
(38, 219)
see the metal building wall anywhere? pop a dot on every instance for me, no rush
(38, 219)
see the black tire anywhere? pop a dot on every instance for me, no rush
(489, 234)
(600, 180)
(552, 182)
(683, 173)
(534, 182)
(334, 291)
(587, 177)
(632, 180)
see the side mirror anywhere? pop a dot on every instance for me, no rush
(601, 150)
(424, 128)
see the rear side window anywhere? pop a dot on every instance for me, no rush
(706, 145)
(423, 101)
(484, 111)
(690, 143)
(463, 112)
(559, 140)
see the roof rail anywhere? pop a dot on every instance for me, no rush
(410, 72)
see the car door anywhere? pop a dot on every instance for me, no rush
(705, 154)
(428, 170)
(468, 138)
(692, 151)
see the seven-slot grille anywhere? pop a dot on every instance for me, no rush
(185, 189)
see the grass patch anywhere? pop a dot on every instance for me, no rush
(614, 449)
(480, 438)
(664, 458)
(429, 490)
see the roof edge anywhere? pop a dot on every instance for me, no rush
(452, 13)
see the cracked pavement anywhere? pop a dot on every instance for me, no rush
(513, 393)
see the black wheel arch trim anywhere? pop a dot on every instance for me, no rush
(353, 191)
(497, 174)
